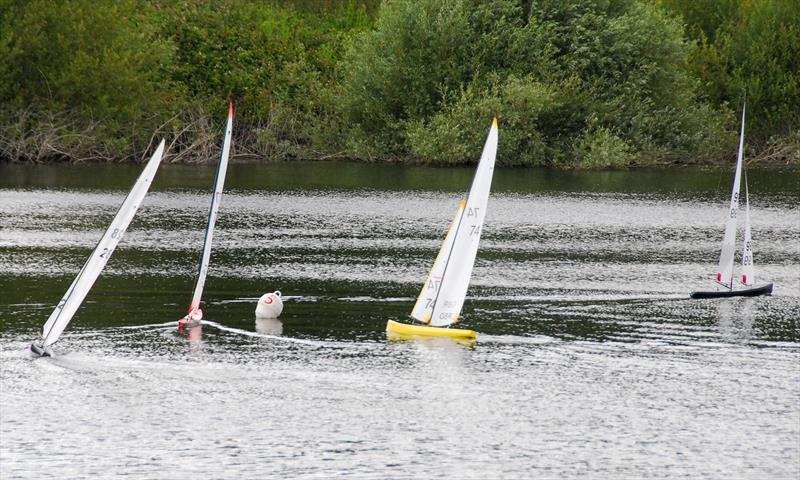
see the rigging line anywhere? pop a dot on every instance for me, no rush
(215, 199)
(208, 230)
(449, 255)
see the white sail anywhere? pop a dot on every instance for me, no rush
(725, 269)
(219, 183)
(80, 287)
(748, 269)
(458, 265)
(423, 309)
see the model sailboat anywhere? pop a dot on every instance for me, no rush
(195, 313)
(725, 277)
(80, 287)
(442, 296)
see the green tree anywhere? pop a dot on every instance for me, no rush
(101, 60)
(748, 47)
(425, 83)
(276, 62)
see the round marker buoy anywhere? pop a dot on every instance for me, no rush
(269, 305)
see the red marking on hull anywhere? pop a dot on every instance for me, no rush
(719, 277)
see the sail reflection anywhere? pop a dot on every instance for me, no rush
(194, 337)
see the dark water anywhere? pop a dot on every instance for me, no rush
(590, 363)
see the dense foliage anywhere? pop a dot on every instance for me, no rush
(753, 48)
(595, 83)
(77, 78)
(577, 84)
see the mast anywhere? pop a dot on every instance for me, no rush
(725, 268)
(219, 183)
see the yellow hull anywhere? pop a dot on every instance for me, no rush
(406, 330)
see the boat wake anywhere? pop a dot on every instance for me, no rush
(376, 299)
(296, 298)
(516, 339)
(219, 326)
(148, 326)
(248, 333)
(587, 298)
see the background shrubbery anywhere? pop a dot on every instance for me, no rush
(578, 84)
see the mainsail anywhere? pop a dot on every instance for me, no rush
(219, 183)
(80, 287)
(725, 269)
(453, 267)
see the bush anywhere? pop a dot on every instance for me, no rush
(602, 149)
(276, 62)
(94, 79)
(100, 61)
(456, 134)
(321, 79)
(745, 47)
(423, 85)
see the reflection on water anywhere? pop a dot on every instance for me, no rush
(735, 319)
(269, 326)
(194, 337)
(590, 362)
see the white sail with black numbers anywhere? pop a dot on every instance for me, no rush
(457, 257)
(748, 268)
(80, 287)
(219, 184)
(725, 268)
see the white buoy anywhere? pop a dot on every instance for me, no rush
(269, 305)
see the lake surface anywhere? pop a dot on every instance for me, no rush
(591, 362)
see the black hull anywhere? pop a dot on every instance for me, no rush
(39, 351)
(750, 292)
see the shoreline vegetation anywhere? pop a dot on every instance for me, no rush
(586, 84)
